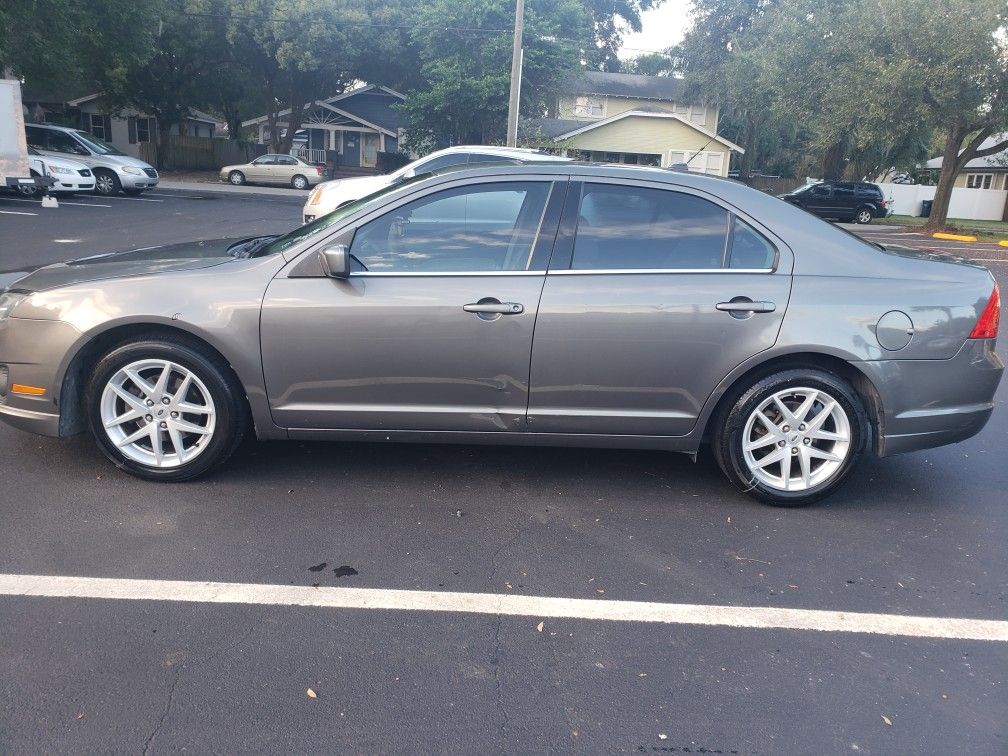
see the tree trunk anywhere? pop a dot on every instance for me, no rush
(951, 162)
(833, 162)
(163, 141)
(745, 162)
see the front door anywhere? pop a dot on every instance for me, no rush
(369, 149)
(259, 169)
(433, 329)
(655, 298)
(820, 200)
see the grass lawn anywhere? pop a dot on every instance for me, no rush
(986, 230)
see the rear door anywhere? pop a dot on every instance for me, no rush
(283, 170)
(433, 329)
(653, 296)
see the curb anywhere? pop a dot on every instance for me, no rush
(954, 237)
(195, 186)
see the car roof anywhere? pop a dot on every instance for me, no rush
(52, 126)
(521, 153)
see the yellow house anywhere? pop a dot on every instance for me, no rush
(636, 120)
(990, 172)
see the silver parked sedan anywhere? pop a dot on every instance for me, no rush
(285, 170)
(553, 305)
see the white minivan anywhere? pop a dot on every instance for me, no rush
(114, 172)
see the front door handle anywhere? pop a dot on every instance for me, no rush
(494, 308)
(743, 305)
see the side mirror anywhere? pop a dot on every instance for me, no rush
(335, 261)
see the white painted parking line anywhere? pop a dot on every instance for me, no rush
(61, 201)
(61, 586)
(176, 196)
(131, 199)
(15, 212)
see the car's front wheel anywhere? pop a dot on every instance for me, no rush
(164, 410)
(107, 183)
(236, 177)
(792, 437)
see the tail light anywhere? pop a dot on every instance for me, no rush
(987, 326)
(319, 169)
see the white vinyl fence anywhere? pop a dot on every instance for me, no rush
(969, 204)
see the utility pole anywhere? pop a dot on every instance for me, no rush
(516, 73)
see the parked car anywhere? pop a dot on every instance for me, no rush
(847, 201)
(581, 305)
(113, 171)
(274, 169)
(330, 195)
(69, 176)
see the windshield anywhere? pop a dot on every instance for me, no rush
(318, 226)
(96, 144)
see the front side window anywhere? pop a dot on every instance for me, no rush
(37, 138)
(60, 141)
(265, 160)
(637, 228)
(96, 145)
(586, 106)
(819, 191)
(487, 227)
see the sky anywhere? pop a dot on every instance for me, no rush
(662, 27)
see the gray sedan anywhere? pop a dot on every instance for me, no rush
(578, 305)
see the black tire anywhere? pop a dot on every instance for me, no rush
(231, 412)
(864, 216)
(106, 182)
(299, 182)
(730, 425)
(236, 177)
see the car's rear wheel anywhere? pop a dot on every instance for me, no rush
(793, 437)
(107, 183)
(163, 410)
(299, 182)
(864, 215)
(236, 177)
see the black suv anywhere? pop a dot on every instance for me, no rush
(847, 201)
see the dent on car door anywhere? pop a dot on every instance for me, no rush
(655, 298)
(432, 331)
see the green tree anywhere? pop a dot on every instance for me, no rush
(464, 53)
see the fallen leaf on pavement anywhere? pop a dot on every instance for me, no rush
(311, 693)
(539, 627)
(887, 720)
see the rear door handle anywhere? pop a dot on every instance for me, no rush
(745, 305)
(495, 308)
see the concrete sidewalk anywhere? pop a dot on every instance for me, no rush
(199, 186)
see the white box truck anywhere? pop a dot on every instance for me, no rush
(14, 169)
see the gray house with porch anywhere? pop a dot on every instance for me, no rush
(346, 131)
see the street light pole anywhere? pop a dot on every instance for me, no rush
(516, 72)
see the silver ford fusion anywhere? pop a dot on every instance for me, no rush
(542, 305)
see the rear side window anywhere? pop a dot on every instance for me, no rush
(37, 138)
(638, 228)
(748, 248)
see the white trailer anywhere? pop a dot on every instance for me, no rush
(14, 170)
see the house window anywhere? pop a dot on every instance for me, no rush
(589, 107)
(698, 162)
(692, 113)
(98, 126)
(979, 180)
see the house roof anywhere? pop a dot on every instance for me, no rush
(623, 85)
(369, 104)
(559, 129)
(996, 162)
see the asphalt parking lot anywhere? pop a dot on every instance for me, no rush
(174, 669)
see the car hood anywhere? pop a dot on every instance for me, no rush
(134, 262)
(357, 187)
(121, 160)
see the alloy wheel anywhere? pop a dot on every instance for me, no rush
(864, 216)
(158, 413)
(796, 439)
(105, 184)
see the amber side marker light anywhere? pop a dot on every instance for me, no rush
(20, 388)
